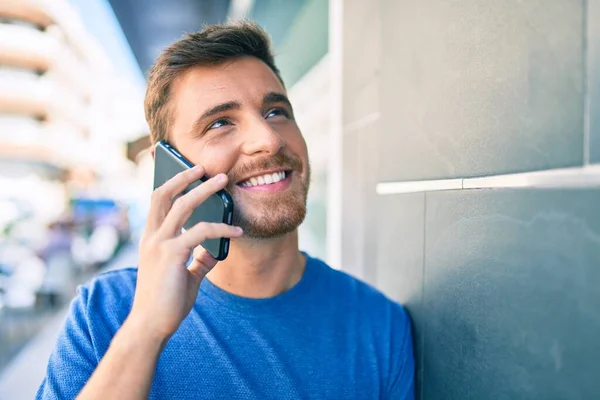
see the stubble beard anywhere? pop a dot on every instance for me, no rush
(275, 216)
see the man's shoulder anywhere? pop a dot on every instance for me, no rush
(118, 280)
(110, 289)
(103, 303)
(369, 300)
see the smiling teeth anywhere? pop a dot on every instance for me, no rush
(266, 179)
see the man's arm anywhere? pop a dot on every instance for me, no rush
(127, 369)
(132, 356)
(165, 290)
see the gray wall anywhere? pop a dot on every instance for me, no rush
(503, 284)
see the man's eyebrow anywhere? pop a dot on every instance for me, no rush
(231, 105)
(274, 97)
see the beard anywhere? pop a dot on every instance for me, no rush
(274, 215)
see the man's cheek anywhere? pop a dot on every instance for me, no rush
(216, 163)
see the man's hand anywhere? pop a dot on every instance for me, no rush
(166, 290)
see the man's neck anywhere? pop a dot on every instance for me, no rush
(260, 268)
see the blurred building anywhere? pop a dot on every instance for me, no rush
(65, 113)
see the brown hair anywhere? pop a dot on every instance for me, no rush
(213, 45)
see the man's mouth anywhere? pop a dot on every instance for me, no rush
(266, 179)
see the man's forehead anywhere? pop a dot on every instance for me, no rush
(238, 80)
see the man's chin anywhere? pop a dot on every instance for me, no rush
(271, 226)
(270, 216)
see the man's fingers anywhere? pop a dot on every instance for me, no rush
(184, 206)
(202, 263)
(204, 230)
(162, 197)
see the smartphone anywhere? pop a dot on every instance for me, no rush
(168, 162)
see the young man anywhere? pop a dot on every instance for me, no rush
(269, 322)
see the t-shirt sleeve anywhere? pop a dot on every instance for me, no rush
(73, 359)
(402, 382)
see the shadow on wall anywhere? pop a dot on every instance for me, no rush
(511, 298)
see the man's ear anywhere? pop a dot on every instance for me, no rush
(153, 152)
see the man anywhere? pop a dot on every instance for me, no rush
(269, 322)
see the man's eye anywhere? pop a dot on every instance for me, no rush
(219, 124)
(277, 112)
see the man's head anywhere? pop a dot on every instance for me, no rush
(217, 96)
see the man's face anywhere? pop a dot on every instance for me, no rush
(235, 118)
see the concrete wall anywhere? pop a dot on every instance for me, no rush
(449, 108)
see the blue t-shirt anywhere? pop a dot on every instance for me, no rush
(328, 337)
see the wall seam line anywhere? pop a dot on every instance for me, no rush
(586, 84)
(586, 176)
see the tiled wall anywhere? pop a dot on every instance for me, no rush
(593, 76)
(503, 284)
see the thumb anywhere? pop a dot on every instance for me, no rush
(201, 264)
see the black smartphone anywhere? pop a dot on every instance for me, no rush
(168, 162)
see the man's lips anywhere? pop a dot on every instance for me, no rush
(270, 182)
(264, 177)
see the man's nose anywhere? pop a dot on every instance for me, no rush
(261, 137)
